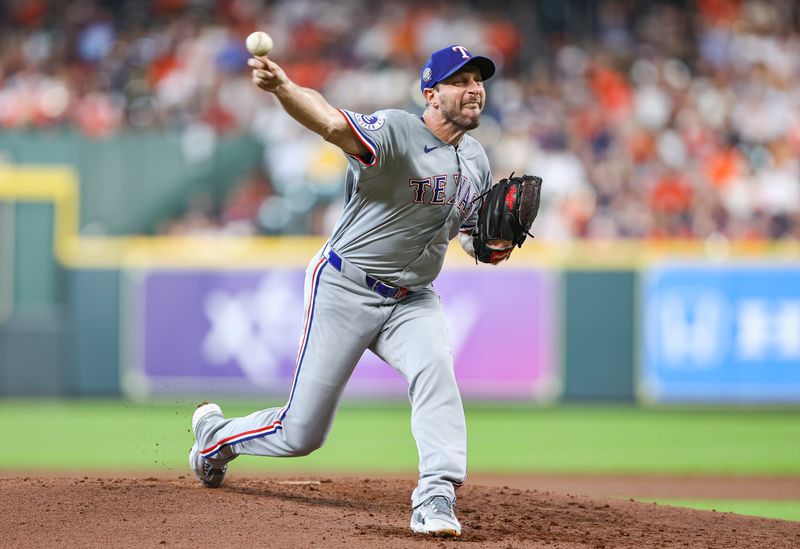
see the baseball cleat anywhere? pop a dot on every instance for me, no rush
(436, 516)
(211, 472)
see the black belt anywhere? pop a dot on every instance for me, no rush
(356, 274)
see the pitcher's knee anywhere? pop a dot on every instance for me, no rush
(434, 375)
(305, 443)
(438, 364)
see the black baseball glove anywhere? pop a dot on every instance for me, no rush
(505, 217)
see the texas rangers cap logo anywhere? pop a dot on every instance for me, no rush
(369, 122)
(447, 61)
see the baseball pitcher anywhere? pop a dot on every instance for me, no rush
(413, 183)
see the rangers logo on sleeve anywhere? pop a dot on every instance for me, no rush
(370, 122)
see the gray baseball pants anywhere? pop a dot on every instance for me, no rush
(342, 320)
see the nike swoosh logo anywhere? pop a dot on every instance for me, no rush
(429, 149)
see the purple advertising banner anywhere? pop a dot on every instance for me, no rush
(237, 333)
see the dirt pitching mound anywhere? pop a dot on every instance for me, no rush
(348, 513)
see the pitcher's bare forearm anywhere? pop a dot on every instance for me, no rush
(306, 105)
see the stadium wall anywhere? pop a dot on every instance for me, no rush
(594, 313)
(132, 181)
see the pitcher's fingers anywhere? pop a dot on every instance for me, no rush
(256, 63)
(263, 81)
(270, 64)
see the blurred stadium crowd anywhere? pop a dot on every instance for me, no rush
(645, 119)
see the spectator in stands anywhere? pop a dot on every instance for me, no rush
(650, 122)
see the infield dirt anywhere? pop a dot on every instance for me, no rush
(351, 513)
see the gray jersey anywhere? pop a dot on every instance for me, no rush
(408, 198)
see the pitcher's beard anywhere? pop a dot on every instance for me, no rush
(473, 123)
(466, 122)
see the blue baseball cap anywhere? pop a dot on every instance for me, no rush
(447, 61)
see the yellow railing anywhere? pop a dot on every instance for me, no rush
(59, 185)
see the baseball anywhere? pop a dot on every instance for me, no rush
(258, 43)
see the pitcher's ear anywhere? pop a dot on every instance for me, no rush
(431, 96)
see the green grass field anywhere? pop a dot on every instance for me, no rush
(116, 435)
(785, 510)
(98, 436)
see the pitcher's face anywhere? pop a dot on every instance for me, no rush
(461, 98)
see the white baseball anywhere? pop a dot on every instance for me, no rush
(258, 43)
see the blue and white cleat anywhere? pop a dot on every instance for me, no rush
(436, 516)
(211, 472)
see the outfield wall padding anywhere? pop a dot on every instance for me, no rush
(598, 335)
